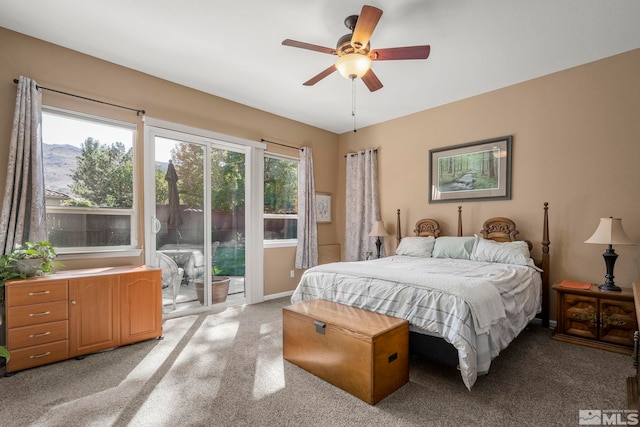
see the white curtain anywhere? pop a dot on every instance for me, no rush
(362, 204)
(23, 216)
(307, 249)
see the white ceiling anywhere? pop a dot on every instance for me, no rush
(232, 48)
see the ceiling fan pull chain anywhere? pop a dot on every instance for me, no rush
(353, 102)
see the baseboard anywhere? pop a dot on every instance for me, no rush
(276, 296)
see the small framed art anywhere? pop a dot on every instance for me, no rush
(323, 207)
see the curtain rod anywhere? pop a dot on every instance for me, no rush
(375, 150)
(138, 111)
(277, 143)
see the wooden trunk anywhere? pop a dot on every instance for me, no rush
(361, 352)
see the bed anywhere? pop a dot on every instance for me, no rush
(466, 298)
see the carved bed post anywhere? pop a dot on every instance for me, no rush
(398, 232)
(459, 221)
(545, 267)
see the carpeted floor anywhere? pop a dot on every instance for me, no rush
(226, 369)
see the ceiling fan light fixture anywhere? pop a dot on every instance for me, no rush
(353, 65)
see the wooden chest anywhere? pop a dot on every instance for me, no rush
(361, 352)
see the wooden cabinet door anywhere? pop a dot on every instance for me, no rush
(618, 321)
(94, 310)
(580, 316)
(140, 306)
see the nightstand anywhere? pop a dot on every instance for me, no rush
(595, 318)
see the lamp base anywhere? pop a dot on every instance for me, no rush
(609, 287)
(378, 245)
(610, 257)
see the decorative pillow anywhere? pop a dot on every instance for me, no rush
(502, 252)
(416, 246)
(453, 247)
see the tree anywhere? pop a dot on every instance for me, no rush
(280, 186)
(162, 189)
(189, 162)
(104, 174)
(227, 177)
(227, 180)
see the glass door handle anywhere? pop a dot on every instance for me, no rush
(156, 225)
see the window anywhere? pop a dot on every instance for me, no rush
(89, 182)
(280, 198)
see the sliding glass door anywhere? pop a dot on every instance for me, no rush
(198, 230)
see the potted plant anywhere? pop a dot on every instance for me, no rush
(219, 289)
(34, 259)
(30, 259)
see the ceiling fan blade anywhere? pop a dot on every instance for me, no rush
(315, 79)
(393, 53)
(371, 80)
(367, 21)
(308, 46)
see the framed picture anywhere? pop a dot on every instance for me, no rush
(323, 207)
(469, 172)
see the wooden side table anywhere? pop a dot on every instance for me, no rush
(595, 318)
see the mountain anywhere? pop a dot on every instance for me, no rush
(59, 163)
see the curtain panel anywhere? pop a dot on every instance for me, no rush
(362, 204)
(307, 249)
(23, 216)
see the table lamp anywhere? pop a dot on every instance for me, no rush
(610, 232)
(378, 231)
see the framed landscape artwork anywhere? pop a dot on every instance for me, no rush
(471, 172)
(323, 207)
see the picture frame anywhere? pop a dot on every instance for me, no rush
(323, 208)
(475, 171)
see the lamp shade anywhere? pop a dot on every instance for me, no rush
(353, 65)
(378, 229)
(610, 232)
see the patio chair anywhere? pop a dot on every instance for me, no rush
(171, 275)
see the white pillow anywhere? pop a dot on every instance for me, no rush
(416, 246)
(501, 252)
(453, 247)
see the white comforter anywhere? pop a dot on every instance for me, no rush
(478, 307)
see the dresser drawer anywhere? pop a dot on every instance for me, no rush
(28, 336)
(36, 293)
(38, 355)
(37, 313)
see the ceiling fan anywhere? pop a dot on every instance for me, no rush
(354, 50)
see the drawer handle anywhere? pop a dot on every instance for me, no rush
(44, 313)
(31, 294)
(44, 334)
(38, 356)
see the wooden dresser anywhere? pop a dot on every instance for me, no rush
(76, 312)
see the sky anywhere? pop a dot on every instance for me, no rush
(60, 130)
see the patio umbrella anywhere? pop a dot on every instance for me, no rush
(175, 216)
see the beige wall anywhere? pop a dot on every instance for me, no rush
(576, 145)
(66, 70)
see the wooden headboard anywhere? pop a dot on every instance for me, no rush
(500, 229)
